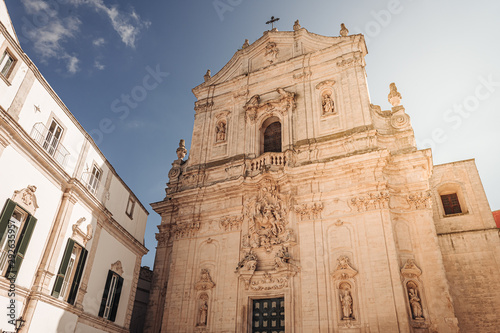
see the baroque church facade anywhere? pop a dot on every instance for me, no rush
(305, 208)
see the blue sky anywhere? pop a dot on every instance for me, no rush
(443, 56)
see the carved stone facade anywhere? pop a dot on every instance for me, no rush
(344, 224)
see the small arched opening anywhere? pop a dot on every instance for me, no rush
(271, 136)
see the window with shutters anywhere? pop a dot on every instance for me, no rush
(16, 229)
(70, 272)
(451, 205)
(7, 62)
(111, 296)
(53, 138)
(452, 199)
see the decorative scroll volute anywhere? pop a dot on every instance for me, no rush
(344, 271)
(410, 269)
(26, 198)
(283, 104)
(205, 282)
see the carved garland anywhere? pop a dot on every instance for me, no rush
(306, 211)
(230, 223)
(370, 201)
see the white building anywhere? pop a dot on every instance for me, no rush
(71, 231)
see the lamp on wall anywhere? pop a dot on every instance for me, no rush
(19, 323)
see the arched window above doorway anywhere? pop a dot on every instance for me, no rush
(272, 137)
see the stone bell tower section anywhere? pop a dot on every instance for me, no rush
(302, 206)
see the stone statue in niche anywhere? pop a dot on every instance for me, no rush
(327, 103)
(221, 131)
(416, 306)
(346, 301)
(203, 313)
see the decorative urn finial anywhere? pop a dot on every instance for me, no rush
(181, 151)
(394, 96)
(245, 44)
(208, 75)
(296, 26)
(343, 30)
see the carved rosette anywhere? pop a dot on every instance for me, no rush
(284, 104)
(370, 201)
(310, 212)
(205, 282)
(26, 198)
(344, 270)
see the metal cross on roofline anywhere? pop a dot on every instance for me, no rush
(272, 20)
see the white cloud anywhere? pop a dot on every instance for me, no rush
(50, 32)
(72, 64)
(98, 65)
(128, 26)
(99, 41)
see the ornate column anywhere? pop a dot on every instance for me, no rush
(135, 279)
(88, 266)
(159, 285)
(47, 264)
(5, 140)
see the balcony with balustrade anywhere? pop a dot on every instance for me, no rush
(267, 161)
(49, 143)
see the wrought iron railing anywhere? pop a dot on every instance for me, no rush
(91, 181)
(45, 139)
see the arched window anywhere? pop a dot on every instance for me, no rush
(272, 137)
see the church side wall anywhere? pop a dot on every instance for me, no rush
(470, 244)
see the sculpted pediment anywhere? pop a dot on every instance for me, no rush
(275, 47)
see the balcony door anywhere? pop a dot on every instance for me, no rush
(53, 137)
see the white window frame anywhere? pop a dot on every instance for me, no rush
(70, 272)
(111, 296)
(6, 68)
(94, 179)
(53, 138)
(130, 207)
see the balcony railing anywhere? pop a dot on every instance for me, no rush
(45, 139)
(267, 160)
(91, 182)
